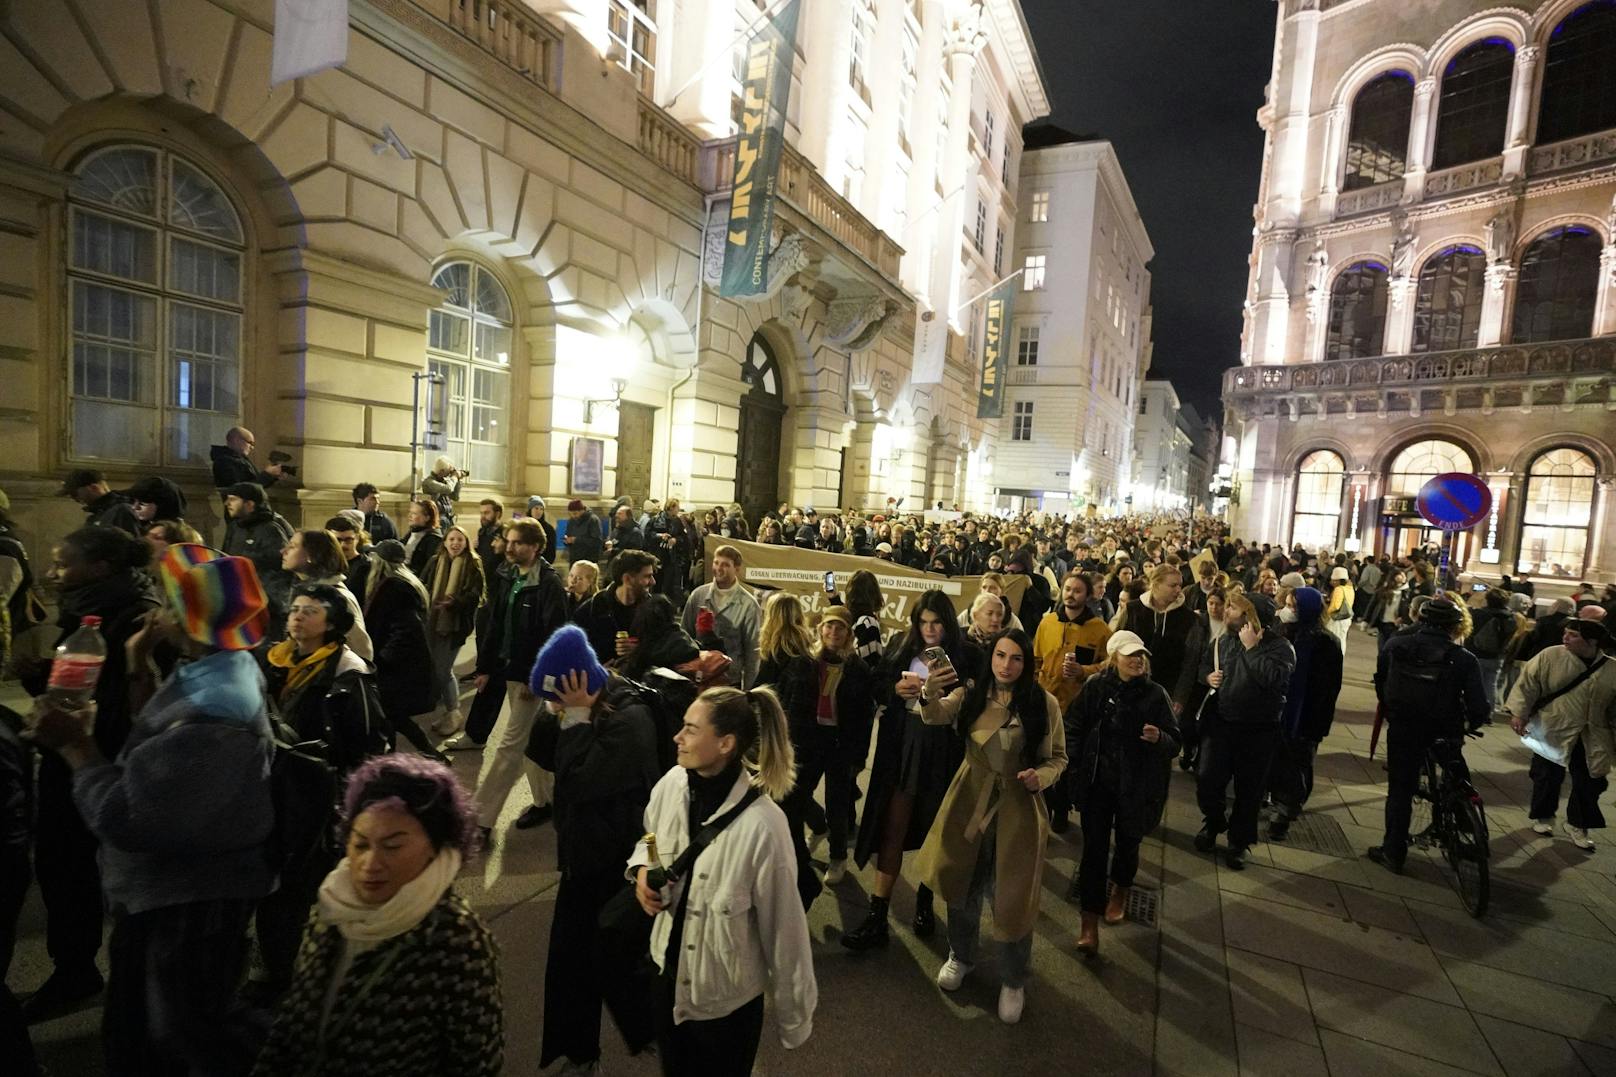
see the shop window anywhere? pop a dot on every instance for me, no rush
(1320, 481)
(1422, 461)
(1557, 512)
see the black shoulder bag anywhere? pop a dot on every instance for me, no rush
(625, 929)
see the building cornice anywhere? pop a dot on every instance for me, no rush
(1014, 39)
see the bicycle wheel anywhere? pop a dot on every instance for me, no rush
(1422, 809)
(1467, 850)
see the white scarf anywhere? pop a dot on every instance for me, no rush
(340, 905)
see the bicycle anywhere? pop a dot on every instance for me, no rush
(1455, 820)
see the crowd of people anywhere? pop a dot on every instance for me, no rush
(261, 767)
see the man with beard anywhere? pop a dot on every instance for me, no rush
(607, 618)
(101, 503)
(1069, 647)
(583, 539)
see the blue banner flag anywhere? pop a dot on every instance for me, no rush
(765, 89)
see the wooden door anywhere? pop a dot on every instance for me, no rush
(757, 464)
(635, 425)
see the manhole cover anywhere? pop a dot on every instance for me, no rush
(1142, 906)
(1319, 834)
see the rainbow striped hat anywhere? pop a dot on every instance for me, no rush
(219, 599)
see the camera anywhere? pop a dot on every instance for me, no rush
(276, 456)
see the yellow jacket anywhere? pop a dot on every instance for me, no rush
(1055, 639)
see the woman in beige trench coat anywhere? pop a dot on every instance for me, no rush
(990, 833)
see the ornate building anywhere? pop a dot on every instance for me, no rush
(1433, 282)
(511, 196)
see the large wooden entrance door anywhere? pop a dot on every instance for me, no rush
(757, 457)
(635, 424)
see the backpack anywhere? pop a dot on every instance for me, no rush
(667, 695)
(1493, 636)
(1421, 680)
(303, 791)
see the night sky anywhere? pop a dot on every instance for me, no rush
(1175, 86)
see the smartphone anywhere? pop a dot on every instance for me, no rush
(1478, 587)
(936, 656)
(830, 582)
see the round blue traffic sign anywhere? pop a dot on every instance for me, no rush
(1454, 501)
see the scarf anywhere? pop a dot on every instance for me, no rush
(445, 585)
(340, 905)
(303, 671)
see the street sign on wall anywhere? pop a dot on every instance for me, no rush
(1454, 501)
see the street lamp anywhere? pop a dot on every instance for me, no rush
(618, 354)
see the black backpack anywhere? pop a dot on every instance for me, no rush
(1489, 640)
(1422, 680)
(667, 695)
(303, 791)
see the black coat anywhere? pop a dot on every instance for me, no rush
(112, 509)
(541, 608)
(1315, 683)
(341, 707)
(395, 617)
(602, 618)
(1254, 682)
(1166, 634)
(1104, 725)
(586, 544)
(798, 688)
(425, 550)
(231, 467)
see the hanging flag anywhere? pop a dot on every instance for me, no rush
(996, 324)
(310, 36)
(765, 89)
(931, 348)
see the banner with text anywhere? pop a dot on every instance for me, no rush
(996, 325)
(765, 90)
(802, 573)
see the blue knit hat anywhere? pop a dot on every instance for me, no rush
(1309, 605)
(566, 651)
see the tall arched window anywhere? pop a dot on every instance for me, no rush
(1559, 282)
(469, 344)
(1579, 77)
(1320, 480)
(1474, 105)
(1556, 515)
(154, 279)
(1377, 137)
(1415, 464)
(1447, 306)
(1357, 312)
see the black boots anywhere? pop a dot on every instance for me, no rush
(925, 925)
(872, 932)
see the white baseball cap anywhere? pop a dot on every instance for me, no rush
(1126, 643)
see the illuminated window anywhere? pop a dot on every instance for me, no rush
(469, 343)
(631, 24)
(998, 253)
(979, 233)
(1558, 510)
(1579, 77)
(155, 285)
(859, 54)
(1447, 306)
(1320, 481)
(1021, 421)
(1474, 104)
(1557, 288)
(1040, 207)
(1357, 326)
(1027, 346)
(988, 123)
(1425, 460)
(1377, 137)
(1032, 277)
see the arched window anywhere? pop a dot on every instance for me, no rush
(1377, 138)
(1555, 518)
(469, 344)
(1474, 105)
(154, 279)
(1320, 480)
(1357, 312)
(1559, 281)
(1447, 306)
(1579, 77)
(1424, 460)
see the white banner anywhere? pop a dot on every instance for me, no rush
(310, 36)
(931, 348)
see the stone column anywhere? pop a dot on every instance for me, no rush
(701, 38)
(1419, 140)
(1605, 300)
(883, 75)
(964, 40)
(1400, 315)
(1291, 99)
(828, 34)
(588, 17)
(920, 228)
(1494, 304)
(1516, 142)
(1335, 122)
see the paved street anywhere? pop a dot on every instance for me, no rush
(1305, 963)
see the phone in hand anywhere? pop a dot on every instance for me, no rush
(830, 583)
(938, 660)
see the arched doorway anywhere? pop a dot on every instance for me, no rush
(757, 455)
(1402, 528)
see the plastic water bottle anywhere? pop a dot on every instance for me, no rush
(78, 666)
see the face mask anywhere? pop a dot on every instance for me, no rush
(1287, 615)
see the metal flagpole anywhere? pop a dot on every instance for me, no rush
(767, 14)
(995, 286)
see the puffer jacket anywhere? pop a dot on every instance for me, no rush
(1254, 681)
(1103, 729)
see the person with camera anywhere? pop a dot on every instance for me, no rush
(992, 829)
(231, 464)
(733, 926)
(1568, 693)
(1432, 690)
(442, 485)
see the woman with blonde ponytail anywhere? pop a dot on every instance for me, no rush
(732, 925)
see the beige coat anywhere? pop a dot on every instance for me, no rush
(1588, 712)
(985, 793)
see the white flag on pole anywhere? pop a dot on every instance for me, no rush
(310, 36)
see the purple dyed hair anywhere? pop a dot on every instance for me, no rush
(424, 788)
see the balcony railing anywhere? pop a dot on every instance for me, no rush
(506, 30)
(1554, 362)
(669, 143)
(1464, 177)
(1572, 153)
(1369, 199)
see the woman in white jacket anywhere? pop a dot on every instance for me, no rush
(734, 925)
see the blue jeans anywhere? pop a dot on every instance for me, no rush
(965, 920)
(1489, 678)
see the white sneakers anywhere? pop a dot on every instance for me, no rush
(1543, 826)
(952, 974)
(1011, 1000)
(836, 872)
(1579, 837)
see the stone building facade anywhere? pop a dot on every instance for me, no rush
(511, 196)
(1431, 283)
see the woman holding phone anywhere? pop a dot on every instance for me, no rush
(991, 831)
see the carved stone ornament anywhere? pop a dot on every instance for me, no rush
(1501, 234)
(968, 32)
(789, 257)
(1402, 247)
(856, 322)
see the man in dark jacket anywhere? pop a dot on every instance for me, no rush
(1431, 689)
(379, 525)
(611, 610)
(1251, 680)
(231, 464)
(583, 539)
(104, 507)
(526, 607)
(1548, 630)
(257, 532)
(1309, 710)
(626, 533)
(490, 527)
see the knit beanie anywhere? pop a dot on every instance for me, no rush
(1309, 605)
(566, 651)
(219, 599)
(353, 516)
(1266, 610)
